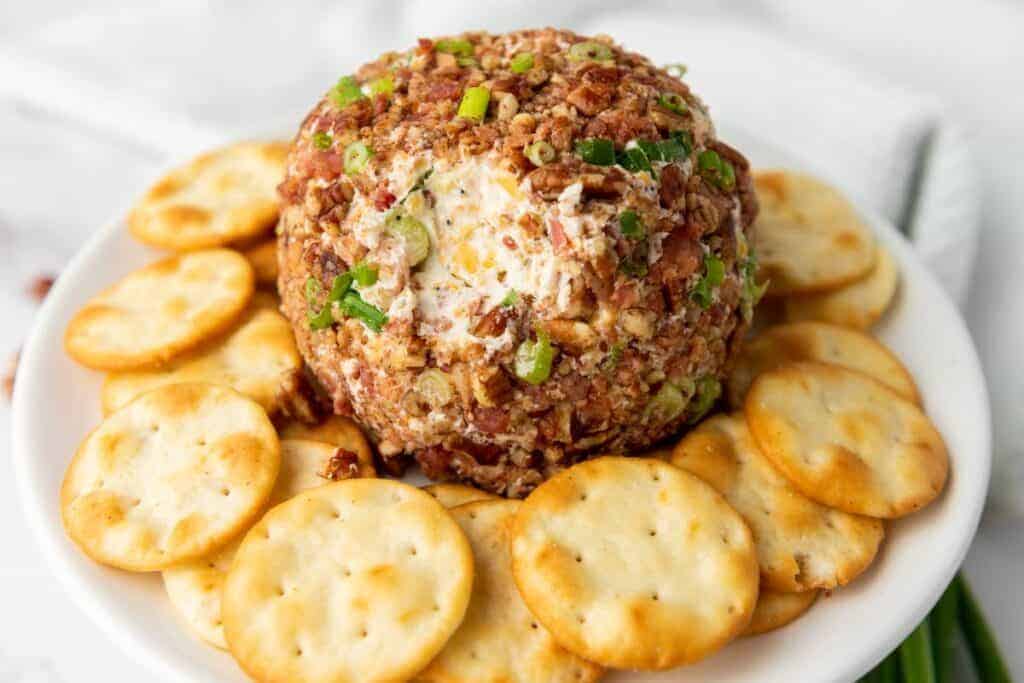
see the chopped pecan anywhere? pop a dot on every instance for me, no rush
(344, 464)
(297, 398)
(549, 181)
(608, 184)
(493, 323)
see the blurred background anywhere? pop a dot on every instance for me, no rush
(914, 108)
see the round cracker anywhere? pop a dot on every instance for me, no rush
(194, 588)
(307, 464)
(846, 440)
(859, 305)
(159, 311)
(172, 477)
(808, 237)
(358, 580)
(222, 196)
(452, 495)
(801, 545)
(251, 360)
(633, 563)
(819, 342)
(337, 430)
(499, 640)
(775, 610)
(262, 257)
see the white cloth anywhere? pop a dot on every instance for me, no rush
(890, 100)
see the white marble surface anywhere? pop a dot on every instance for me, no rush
(65, 170)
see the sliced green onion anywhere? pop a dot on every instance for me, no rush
(533, 360)
(674, 102)
(511, 297)
(752, 292)
(339, 287)
(651, 149)
(322, 140)
(635, 264)
(455, 46)
(321, 320)
(385, 85)
(666, 405)
(522, 63)
(474, 103)
(630, 225)
(672, 150)
(539, 153)
(633, 158)
(708, 391)
(714, 274)
(590, 51)
(677, 70)
(346, 91)
(716, 170)
(467, 62)
(684, 138)
(597, 151)
(353, 306)
(355, 157)
(312, 290)
(365, 274)
(413, 233)
(434, 386)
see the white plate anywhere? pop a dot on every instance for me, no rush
(56, 402)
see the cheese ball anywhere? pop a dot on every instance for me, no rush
(505, 253)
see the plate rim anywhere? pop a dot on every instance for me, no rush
(76, 585)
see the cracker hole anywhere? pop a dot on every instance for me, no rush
(654, 597)
(412, 550)
(364, 633)
(437, 608)
(336, 514)
(732, 609)
(579, 558)
(225, 492)
(346, 572)
(656, 477)
(154, 428)
(280, 591)
(200, 442)
(533, 625)
(136, 502)
(652, 533)
(298, 651)
(581, 619)
(583, 496)
(472, 515)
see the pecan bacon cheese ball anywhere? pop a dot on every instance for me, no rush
(504, 253)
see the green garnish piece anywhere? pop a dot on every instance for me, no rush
(312, 290)
(633, 158)
(467, 62)
(666, 405)
(716, 170)
(751, 292)
(630, 225)
(339, 287)
(590, 51)
(322, 140)
(708, 391)
(635, 264)
(355, 157)
(672, 149)
(614, 356)
(474, 103)
(714, 274)
(353, 306)
(674, 102)
(365, 274)
(684, 138)
(597, 151)
(346, 91)
(511, 297)
(677, 70)
(539, 153)
(522, 63)
(533, 359)
(455, 46)
(321, 320)
(385, 85)
(420, 183)
(651, 149)
(413, 233)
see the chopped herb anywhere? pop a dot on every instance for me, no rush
(420, 183)
(413, 233)
(716, 170)
(455, 46)
(672, 149)
(674, 102)
(684, 138)
(346, 91)
(339, 287)
(666, 405)
(651, 149)
(365, 274)
(539, 153)
(597, 151)
(353, 306)
(533, 359)
(714, 274)
(511, 297)
(322, 319)
(522, 63)
(677, 70)
(474, 103)
(355, 157)
(322, 140)
(590, 51)
(752, 292)
(708, 391)
(385, 85)
(312, 290)
(467, 62)
(630, 225)
(633, 158)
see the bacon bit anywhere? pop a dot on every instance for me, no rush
(383, 198)
(558, 239)
(40, 286)
(9, 375)
(443, 90)
(509, 242)
(672, 186)
(485, 454)
(344, 464)
(435, 462)
(425, 44)
(680, 257)
(530, 225)
(490, 420)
